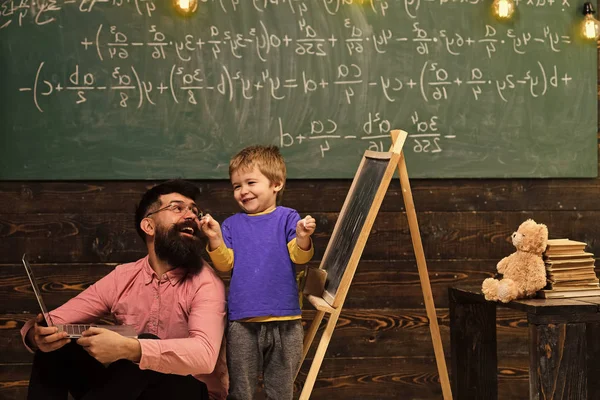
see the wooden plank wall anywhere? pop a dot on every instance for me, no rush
(75, 232)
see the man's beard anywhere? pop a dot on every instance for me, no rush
(177, 250)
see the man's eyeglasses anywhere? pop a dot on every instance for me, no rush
(179, 208)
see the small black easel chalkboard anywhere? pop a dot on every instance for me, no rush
(347, 243)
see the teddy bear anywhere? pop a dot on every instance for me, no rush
(523, 271)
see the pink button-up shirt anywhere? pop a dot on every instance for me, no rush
(186, 311)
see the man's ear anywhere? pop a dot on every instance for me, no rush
(147, 225)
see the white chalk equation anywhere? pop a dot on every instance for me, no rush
(316, 69)
(113, 42)
(433, 84)
(427, 137)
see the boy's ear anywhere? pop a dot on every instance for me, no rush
(147, 225)
(278, 186)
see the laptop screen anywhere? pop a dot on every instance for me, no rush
(36, 290)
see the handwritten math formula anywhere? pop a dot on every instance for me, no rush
(327, 72)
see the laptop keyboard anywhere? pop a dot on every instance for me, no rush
(73, 329)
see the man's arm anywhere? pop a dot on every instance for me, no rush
(86, 307)
(89, 305)
(37, 336)
(108, 346)
(198, 353)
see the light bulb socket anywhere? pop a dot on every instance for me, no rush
(588, 8)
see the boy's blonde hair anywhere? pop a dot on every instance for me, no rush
(267, 159)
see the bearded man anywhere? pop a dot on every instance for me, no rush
(172, 298)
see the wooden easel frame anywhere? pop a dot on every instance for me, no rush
(332, 304)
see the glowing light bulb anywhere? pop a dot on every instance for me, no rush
(503, 9)
(185, 7)
(590, 27)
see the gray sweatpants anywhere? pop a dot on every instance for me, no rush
(276, 346)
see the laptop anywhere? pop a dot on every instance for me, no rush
(74, 331)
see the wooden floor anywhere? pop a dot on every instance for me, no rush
(75, 232)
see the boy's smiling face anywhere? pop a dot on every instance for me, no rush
(253, 191)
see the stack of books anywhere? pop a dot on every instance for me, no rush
(569, 270)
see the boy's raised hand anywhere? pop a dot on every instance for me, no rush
(212, 230)
(305, 227)
(210, 226)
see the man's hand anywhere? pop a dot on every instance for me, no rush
(212, 230)
(108, 346)
(46, 338)
(305, 227)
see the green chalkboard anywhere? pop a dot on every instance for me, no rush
(127, 89)
(349, 226)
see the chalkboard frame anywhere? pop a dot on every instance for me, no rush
(336, 297)
(331, 303)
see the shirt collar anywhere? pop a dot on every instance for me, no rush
(147, 270)
(174, 275)
(263, 212)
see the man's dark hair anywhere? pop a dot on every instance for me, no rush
(151, 198)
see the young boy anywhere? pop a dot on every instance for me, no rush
(261, 246)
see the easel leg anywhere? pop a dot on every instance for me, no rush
(319, 355)
(310, 335)
(424, 277)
